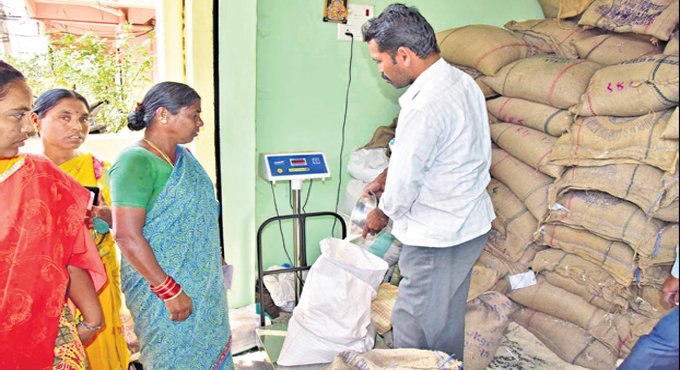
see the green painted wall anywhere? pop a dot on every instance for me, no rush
(301, 79)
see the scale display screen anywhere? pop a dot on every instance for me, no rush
(299, 166)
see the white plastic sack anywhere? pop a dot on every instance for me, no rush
(367, 164)
(353, 191)
(243, 322)
(281, 287)
(334, 312)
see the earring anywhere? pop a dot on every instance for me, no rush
(164, 120)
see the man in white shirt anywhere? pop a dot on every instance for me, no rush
(435, 187)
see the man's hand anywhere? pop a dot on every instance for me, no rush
(180, 308)
(375, 221)
(670, 291)
(376, 187)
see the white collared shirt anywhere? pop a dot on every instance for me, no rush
(439, 169)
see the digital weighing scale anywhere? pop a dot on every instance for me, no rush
(296, 168)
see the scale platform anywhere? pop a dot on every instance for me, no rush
(270, 341)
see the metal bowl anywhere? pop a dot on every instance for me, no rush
(362, 208)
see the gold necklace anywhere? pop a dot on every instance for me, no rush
(162, 153)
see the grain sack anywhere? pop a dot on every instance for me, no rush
(597, 282)
(609, 217)
(670, 213)
(478, 77)
(611, 330)
(559, 34)
(599, 141)
(617, 258)
(548, 79)
(655, 275)
(382, 306)
(650, 302)
(501, 265)
(647, 187)
(486, 319)
(615, 48)
(672, 129)
(580, 290)
(389, 359)
(673, 46)
(382, 137)
(483, 278)
(551, 8)
(529, 185)
(538, 116)
(482, 47)
(632, 88)
(536, 42)
(636, 325)
(530, 146)
(513, 219)
(657, 18)
(664, 253)
(568, 341)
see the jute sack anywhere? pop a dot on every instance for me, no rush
(483, 279)
(478, 77)
(550, 8)
(496, 244)
(632, 88)
(616, 48)
(568, 341)
(580, 290)
(664, 253)
(617, 258)
(655, 275)
(673, 46)
(609, 217)
(503, 266)
(657, 18)
(536, 42)
(482, 47)
(548, 79)
(560, 34)
(530, 146)
(486, 320)
(394, 359)
(650, 302)
(647, 187)
(672, 131)
(513, 219)
(670, 213)
(599, 141)
(611, 330)
(552, 121)
(595, 282)
(529, 185)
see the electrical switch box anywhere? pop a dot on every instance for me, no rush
(357, 15)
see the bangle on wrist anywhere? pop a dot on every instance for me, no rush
(81, 323)
(176, 295)
(168, 289)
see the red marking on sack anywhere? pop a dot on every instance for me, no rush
(521, 122)
(559, 76)
(543, 157)
(569, 36)
(628, 336)
(590, 105)
(619, 86)
(500, 111)
(566, 214)
(499, 162)
(495, 50)
(609, 87)
(528, 319)
(552, 236)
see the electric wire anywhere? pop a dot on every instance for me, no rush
(309, 190)
(344, 126)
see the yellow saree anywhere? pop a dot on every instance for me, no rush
(109, 350)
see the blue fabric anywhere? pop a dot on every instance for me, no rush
(183, 231)
(659, 349)
(430, 309)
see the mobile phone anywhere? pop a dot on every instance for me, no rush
(95, 194)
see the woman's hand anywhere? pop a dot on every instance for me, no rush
(180, 308)
(86, 334)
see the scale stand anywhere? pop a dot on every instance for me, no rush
(293, 167)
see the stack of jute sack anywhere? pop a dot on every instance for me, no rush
(584, 118)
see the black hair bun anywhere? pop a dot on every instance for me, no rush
(136, 120)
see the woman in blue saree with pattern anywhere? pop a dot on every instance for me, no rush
(165, 222)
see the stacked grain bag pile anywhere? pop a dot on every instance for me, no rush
(585, 182)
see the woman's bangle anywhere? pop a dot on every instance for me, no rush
(176, 295)
(168, 280)
(81, 323)
(168, 289)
